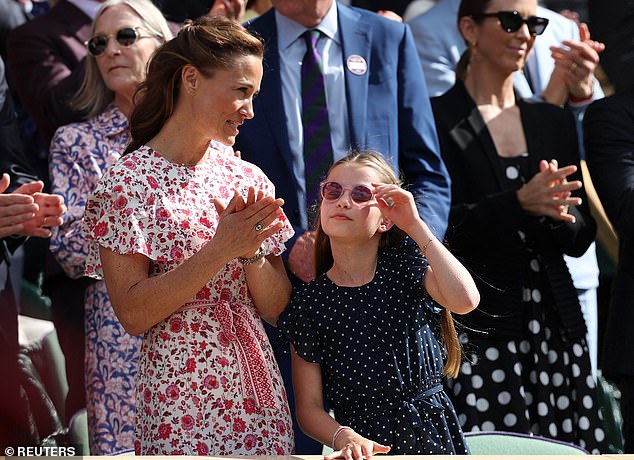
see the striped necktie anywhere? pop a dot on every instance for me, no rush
(317, 146)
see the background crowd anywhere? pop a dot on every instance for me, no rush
(494, 112)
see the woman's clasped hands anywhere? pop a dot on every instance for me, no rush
(244, 225)
(549, 193)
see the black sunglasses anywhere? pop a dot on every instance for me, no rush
(511, 21)
(125, 36)
(331, 191)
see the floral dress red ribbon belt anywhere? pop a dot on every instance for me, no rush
(239, 328)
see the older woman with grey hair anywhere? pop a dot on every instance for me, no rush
(125, 34)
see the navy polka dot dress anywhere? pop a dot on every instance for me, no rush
(380, 358)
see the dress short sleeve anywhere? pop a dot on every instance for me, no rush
(407, 263)
(298, 326)
(118, 217)
(406, 260)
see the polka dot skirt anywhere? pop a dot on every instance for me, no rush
(380, 358)
(539, 383)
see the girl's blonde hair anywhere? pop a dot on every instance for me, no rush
(392, 238)
(93, 96)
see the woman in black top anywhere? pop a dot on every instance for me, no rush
(517, 207)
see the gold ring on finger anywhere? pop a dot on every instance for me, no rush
(258, 227)
(573, 66)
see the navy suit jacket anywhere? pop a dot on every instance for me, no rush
(388, 108)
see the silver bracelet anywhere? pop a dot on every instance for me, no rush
(424, 249)
(258, 255)
(336, 434)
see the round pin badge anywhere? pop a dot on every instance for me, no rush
(356, 64)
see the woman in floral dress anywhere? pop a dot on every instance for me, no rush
(188, 240)
(80, 152)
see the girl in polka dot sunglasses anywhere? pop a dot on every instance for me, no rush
(373, 334)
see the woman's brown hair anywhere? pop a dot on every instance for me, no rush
(392, 238)
(468, 8)
(208, 44)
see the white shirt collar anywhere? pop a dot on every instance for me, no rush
(89, 7)
(288, 30)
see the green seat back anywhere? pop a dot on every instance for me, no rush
(503, 443)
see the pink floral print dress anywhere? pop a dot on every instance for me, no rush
(207, 383)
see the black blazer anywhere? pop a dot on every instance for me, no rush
(486, 217)
(609, 137)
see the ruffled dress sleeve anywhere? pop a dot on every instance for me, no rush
(79, 154)
(298, 326)
(121, 216)
(406, 262)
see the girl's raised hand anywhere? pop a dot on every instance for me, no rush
(397, 205)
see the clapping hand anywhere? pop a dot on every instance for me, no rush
(389, 14)
(244, 225)
(301, 258)
(576, 62)
(548, 193)
(27, 211)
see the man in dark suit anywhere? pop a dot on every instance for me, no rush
(377, 99)
(13, 415)
(19, 216)
(609, 137)
(44, 63)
